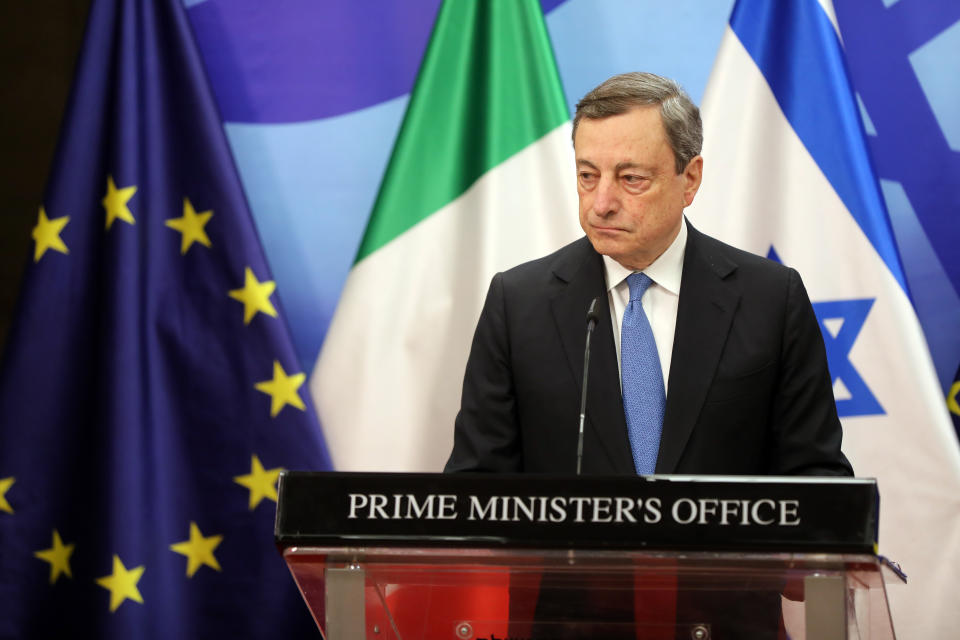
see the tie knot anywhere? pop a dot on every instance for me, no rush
(638, 283)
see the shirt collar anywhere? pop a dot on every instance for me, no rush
(665, 271)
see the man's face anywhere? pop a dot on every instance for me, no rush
(631, 196)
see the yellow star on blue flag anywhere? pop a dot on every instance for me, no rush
(282, 389)
(191, 226)
(198, 550)
(122, 584)
(115, 203)
(255, 296)
(5, 484)
(261, 482)
(46, 235)
(58, 556)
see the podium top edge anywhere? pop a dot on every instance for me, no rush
(863, 481)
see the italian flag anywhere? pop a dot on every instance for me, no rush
(481, 179)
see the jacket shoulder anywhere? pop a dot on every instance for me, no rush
(562, 264)
(724, 259)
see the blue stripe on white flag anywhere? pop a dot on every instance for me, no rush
(808, 76)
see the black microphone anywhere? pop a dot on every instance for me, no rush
(593, 317)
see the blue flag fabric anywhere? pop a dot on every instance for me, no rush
(149, 393)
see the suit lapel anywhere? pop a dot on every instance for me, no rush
(707, 304)
(582, 272)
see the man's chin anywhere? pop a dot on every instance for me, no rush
(619, 253)
(605, 247)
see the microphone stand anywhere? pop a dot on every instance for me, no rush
(592, 318)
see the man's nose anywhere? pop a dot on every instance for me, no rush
(607, 200)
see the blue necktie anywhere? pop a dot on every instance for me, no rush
(644, 397)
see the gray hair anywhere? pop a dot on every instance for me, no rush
(619, 94)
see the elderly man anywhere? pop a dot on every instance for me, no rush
(706, 359)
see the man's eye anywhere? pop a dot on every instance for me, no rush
(585, 176)
(632, 179)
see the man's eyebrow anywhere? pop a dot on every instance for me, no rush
(630, 165)
(621, 166)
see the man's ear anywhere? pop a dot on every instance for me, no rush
(692, 176)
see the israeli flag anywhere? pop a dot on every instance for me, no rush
(787, 175)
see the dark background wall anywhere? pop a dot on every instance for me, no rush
(39, 43)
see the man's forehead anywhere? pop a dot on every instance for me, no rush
(621, 145)
(639, 122)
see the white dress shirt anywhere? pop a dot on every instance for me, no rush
(659, 302)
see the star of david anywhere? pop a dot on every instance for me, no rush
(840, 323)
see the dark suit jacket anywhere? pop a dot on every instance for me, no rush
(749, 392)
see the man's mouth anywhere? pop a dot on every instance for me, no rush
(607, 229)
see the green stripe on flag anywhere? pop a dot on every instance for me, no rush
(488, 87)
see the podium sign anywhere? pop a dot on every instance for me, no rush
(473, 556)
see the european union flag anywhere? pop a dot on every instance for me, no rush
(150, 394)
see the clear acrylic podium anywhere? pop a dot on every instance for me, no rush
(440, 568)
